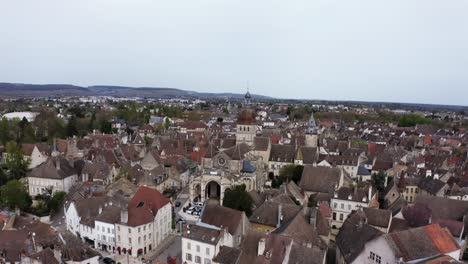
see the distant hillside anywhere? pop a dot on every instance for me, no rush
(37, 90)
(59, 90)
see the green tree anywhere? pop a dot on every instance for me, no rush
(288, 173)
(5, 135)
(378, 180)
(56, 201)
(238, 198)
(106, 126)
(15, 163)
(71, 128)
(14, 194)
(167, 123)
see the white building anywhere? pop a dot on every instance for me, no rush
(346, 200)
(400, 247)
(201, 243)
(134, 229)
(30, 116)
(144, 224)
(54, 175)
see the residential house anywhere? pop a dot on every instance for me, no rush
(54, 175)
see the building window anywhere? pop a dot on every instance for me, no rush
(188, 257)
(118, 238)
(149, 235)
(207, 261)
(189, 247)
(197, 259)
(208, 251)
(349, 207)
(342, 206)
(129, 230)
(139, 240)
(334, 216)
(335, 205)
(139, 229)
(144, 238)
(198, 248)
(375, 258)
(108, 230)
(129, 240)
(341, 217)
(118, 228)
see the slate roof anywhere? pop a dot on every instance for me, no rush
(353, 236)
(202, 234)
(51, 170)
(356, 194)
(301, 254)
(431, 186)
(378, 217)
(249, 246)
(300, 231)
(267, 213)
(110, 214)
(261, 143)
(444, 208)
(227, 255)
(308, 155)
(282, 153)
(319, 179)
(231, 219)
(237, 152)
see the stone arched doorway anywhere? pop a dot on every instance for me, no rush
(213, 190)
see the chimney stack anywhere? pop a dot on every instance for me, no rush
(124, 216)
(280, 215)
(100, 209)
(261, 246)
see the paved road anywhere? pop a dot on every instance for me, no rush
(174, 249)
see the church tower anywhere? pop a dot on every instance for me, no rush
(247, 98)
(312, 132)
(246, 128)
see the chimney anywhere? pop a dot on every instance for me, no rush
(57, 164)
(370, 193)
(313, 217)
(124, 216)
(261, 246)
(280, 215)
(100, 209)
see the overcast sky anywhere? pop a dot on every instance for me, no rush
(377, 50)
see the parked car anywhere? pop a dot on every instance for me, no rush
(108, 260)
(177, 204)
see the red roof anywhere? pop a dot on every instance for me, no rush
(427, 139)
(145, 205)
(442, 239)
